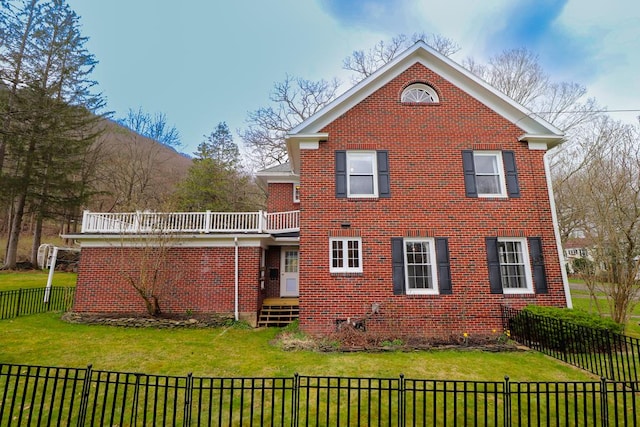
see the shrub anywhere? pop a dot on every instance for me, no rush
(565, 330)
(577, 317)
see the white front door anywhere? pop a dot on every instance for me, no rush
(289, 272)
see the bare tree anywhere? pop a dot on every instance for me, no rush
(364, 63)
(293, 100)
(151, 126)
(604, 202)
(145, 265)
(518, 74)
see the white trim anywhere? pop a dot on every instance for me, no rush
(421, 53)
(345, 255)
(309, 145)
(433, 265)
(178, 241)
(524, 245)
(556, 232)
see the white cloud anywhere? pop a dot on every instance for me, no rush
(612, 31)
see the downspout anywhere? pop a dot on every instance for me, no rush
(556, 231)
(236, 279)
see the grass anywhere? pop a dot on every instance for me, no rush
(46, 340)
(10, 280)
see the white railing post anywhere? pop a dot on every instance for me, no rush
(261, 222)
(85, 221)
(207, 221)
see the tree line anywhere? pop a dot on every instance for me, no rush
(54, 162)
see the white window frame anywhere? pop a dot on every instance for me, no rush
(526, 261)
(502, 183)
(419, 93)
(372, 155)
(432, 264)
(344, 255)
(296, 192)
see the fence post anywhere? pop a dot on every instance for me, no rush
(401, 402)
(188, 395)
(84, 396)
(612, 371)
(295, 399)
(604, 406)
(19, 302)
(507, 402)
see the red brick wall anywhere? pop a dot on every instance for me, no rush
(280, 198)
(427, 198)
(200, 280)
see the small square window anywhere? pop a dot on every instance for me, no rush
(345, 255)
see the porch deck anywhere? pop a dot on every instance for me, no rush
(190, 222)
(279, 311)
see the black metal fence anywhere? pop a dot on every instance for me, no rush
(607, 354)
(21, 302)
(32, 395)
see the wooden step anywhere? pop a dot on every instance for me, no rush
(279, 312)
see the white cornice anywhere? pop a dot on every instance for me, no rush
(302, 141)
(530, 123)
(173, 240)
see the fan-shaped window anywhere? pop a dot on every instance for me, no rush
(419, 93)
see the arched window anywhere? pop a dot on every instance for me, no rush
(419, 93)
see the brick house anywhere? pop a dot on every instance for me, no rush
(417, 203)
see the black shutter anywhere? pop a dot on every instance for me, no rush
(444, 267)
(397, 257)
(469, 170)
(509, 160)
(537, 265)
(341, 174)
(493, 262)
(384, 187)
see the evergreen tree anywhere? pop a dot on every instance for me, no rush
(51, 104)
(215, 181)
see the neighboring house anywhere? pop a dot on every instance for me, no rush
(576, 249)
(417, 203)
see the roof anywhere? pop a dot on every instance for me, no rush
(277, 173)
(535, 129)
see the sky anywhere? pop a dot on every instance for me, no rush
(201, 62)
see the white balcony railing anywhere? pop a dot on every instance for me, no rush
(190, 222)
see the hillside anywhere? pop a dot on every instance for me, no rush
(133, 172)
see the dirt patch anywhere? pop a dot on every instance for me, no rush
(349, 339)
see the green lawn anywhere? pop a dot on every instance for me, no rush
(10, 280)
(46, 340)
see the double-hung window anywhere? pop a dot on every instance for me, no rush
(489, 169)
(362, 174)
(514, 263)
(345, 255)
(420, 266)
(515, 270)
(490, 174)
